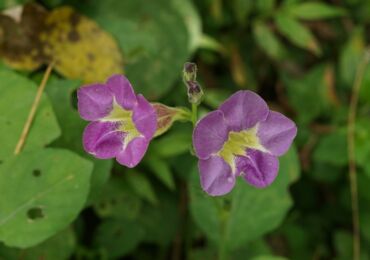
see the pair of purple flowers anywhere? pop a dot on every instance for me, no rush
(242, 138)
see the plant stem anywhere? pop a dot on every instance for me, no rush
(33, 110)
(351, 154)
(194, 113)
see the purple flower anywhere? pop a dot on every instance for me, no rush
(242, 138)
(122, 123)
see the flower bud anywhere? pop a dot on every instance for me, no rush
(190, 72)
(195, 92)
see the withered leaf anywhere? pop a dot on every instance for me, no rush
(20, 47)
(77, 45)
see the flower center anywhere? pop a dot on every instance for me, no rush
(126, 124)
(237, 145)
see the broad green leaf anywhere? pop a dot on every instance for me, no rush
(252, 249)
(58, 247)
(99, 176)
(141, 185)
(246, 213)
(350, 57)
(215, 97)
(153, 35)
(61, 96)
(324, 171)
(269, 257)
(17, 95)
(118, 237)
(315, 10)
(161, 170)
(362, 144)
(161, 221)
(365, 86)
(268, 41)
(297, 33)
(171, 144)
(343, 243)
(242, 8)
(365, 225)
(297, 238)
(332, 148)
(117, 200)
(192, 21)
(42, 192)
(308, 95)
(265, 6)
(9, 3)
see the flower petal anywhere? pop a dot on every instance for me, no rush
(134, 152)
(215, 176)
(210, 134)
(258, 168)
(122, 91)
(94, 102)
(102, 139)
(276, 133)
(145, 117)
(244, 110)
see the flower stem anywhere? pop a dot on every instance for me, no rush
(351, 153)
(194, 113)
(33, 110)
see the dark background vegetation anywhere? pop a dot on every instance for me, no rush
(302, 57)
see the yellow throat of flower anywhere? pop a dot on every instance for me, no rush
(237, 144)
(127, 125)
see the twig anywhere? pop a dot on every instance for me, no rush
(351, 153)
(32, 113)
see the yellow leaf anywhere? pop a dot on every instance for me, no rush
(77, 45)
(80, 48)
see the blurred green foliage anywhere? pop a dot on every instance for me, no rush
(57, 202)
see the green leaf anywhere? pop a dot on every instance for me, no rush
(308, 95)
(265, 6)
(99, 176)
(58, 247)
(61, 95)
(362, 144)
(246, 213)
(350, 57)
(343, 244)
(365, 86)
(17, 95)
(269, 257)
(297, 33)
(161, 221)
(192, 21)
(117, 200)
(332, 148)
(118, 237)
(153, 36)
(315, 10)
(141, 185)
(268, 41)
(42, 192)
(161, 170)
(171, 144)
(242, 8)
